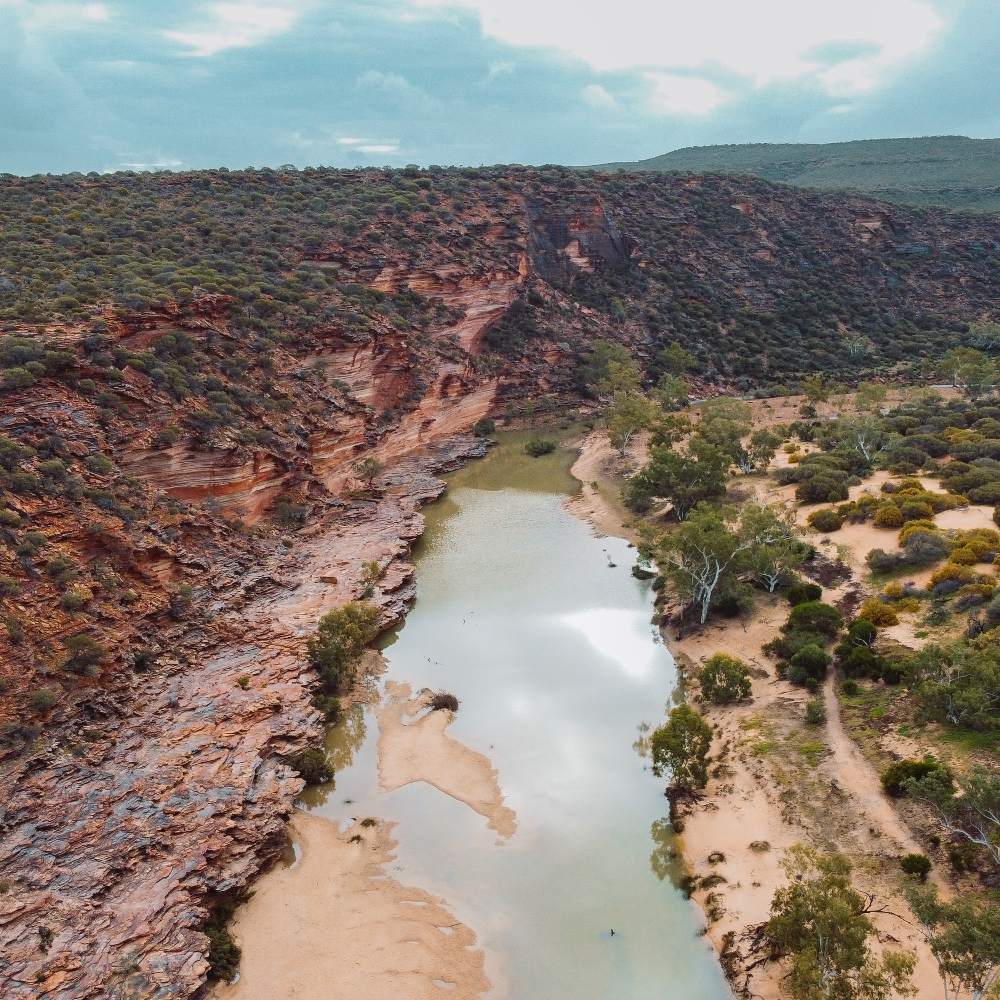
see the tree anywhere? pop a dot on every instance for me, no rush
(597, 371)
(671, 392)
(626, 414)
(775, 560)
(870, 396)
(683, 478)
(724, 423)
(366, 469)
(681, 747)
(674, 360)
(341, 637)
(970, 811)
(958, 684)
(864, 434)
(705, 554)
(724, 679)
(964, 936)
(760, 450)
(814, 389)
(821, 922)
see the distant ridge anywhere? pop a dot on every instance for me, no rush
(953, 171)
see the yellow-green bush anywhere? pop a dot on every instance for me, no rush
(888, 516)
(878, 613)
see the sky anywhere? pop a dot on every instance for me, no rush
(146, 85)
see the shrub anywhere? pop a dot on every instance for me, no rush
(825, 520)
(313, 766)
(442, 701)
(537, 447)
(850, 688)
(917, 865)
(815, 616)
(916, 510)
(880, 561)
(822, 489)
(9, 586)
(484, 427)
(801, 592)
(815, 712)
(879, 614)
(924, 548)
(888, 516)
(895, 776)
(341, 636)
(724, 679)
(952, 573)
(42, 699)
(810, 663)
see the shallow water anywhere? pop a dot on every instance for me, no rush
(544, 635)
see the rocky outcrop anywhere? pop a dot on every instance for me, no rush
(119, 830)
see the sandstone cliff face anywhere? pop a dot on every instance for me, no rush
(118, 833)
(180, 501)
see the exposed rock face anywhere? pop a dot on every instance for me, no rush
(572, 238)
(116, 835)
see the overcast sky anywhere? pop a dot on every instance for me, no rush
(138, 84)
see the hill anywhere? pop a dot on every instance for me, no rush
(952, 171)
(223, 398)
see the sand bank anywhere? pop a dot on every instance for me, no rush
(334, 926)
(414, 745)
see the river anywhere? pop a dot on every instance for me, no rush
(545, 636)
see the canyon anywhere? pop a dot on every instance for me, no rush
(258, 451)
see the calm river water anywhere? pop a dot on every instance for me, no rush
(544, 635)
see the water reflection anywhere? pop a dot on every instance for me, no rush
(544, 635)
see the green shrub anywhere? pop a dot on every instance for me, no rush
(810, 663)
(895, 776)
(341, 637)
(850, 687)
(724, 679)
(815, 712)
(484, 427)
(42, 699)
(537, 447)
(825, 520)
(918, 865)
(815, 616)
(313, 766)
(800, 592)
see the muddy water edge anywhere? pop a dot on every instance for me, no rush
(544, 635)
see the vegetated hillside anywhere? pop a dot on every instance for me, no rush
(953, 171)
(182, 349)
(191, 368)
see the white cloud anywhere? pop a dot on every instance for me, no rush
(596, 97)
(763, 42)
(380, 147)
(236, 26)
(57, 16)
(347, 140)
(672, 94)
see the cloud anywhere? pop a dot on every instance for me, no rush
(500, 67)
(596, 97)
(347, 140)
(44, 17)
(380, 147)
(671, 94)
(235, 26)
(763, 42)
(396, 91)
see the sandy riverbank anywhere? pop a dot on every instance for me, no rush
(334, 925)
(776, 782)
